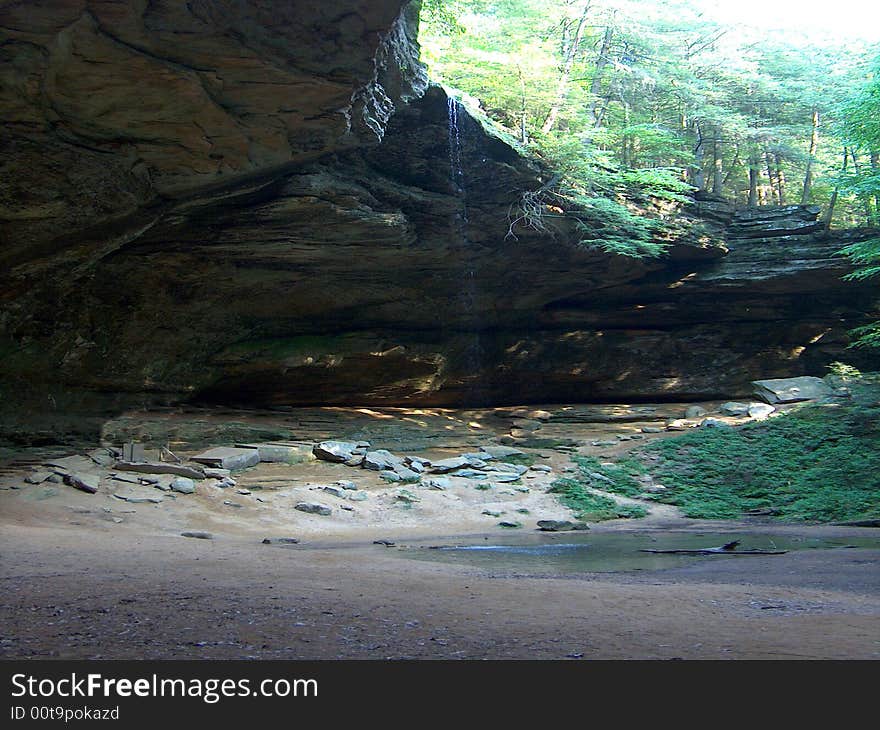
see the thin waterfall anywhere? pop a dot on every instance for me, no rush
(473, 353)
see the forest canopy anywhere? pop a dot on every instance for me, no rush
(662, 96)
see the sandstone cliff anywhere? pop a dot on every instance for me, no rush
(261, 202)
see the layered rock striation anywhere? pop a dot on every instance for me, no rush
(263, 203)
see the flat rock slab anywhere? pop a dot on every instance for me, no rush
(313, 508)
(82, 481)
(38, 477)
(139, 497)
(191, 472)
(791, 390)
(280, 541)
(228, 457)
(276, 453)
(72, 463)
(502, 452)
(444, 466)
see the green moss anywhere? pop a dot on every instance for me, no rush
(589, 506)
(821, 463)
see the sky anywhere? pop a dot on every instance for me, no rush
(841, 18)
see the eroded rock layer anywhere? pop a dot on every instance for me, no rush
(260, 203)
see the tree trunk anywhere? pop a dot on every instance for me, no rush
(596, 84)
(771, 177)
(570, 55)
(814, 146)
(830, 214)
(717, 165)
(523, 115)
(699, 176)
(780, 179)
(753, 182)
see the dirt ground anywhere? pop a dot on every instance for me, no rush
(90, 576)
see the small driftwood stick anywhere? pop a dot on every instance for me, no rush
(728, 549)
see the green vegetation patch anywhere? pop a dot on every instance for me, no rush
(587, 505)
(619, 478)
(821, 463)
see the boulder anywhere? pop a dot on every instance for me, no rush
(694, 412)
(792, 390)
(281, 453)
(713, 423)
(183, 485)
(760, 411)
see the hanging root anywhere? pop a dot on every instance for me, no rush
(532, 210)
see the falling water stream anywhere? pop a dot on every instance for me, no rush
(473, 351)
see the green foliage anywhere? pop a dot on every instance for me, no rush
(587, 505)
(617, 478)
(819, 463)
(632, 101)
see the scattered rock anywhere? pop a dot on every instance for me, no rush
(542, 468)
(215, 473)
(183, 485)
(386, 543)
(492, 513)
(230, 503)
(346, 484)
(509, 524)
(380, 460)
(102, 457)
(694, 412)
(313, 508)
(677, 424)
(243, 492)
(561, 525)
(85, 482)
(444, 466)
(524, 490)
(390, 476)
(439, 483)
(734, 408)
(407, 497)
(339, 452)
(198, 535)
(335, 491)
(356, 496)
(713, 423)
(651, 429)
(280, 541)
(760, 411)
(38, 477)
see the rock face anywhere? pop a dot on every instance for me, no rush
(259, 202)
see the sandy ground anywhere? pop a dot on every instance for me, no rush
(90, 576)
